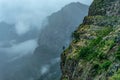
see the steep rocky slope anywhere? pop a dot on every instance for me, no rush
(94, 54)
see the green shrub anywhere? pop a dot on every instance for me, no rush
(116, 76)
(95, 41)
(118, 53)
(102, 56)
(84, 52)
(65, 79)
(95, 69)
(105, 31)
(118, 57)
(75, 35)
(89, 52)
(106, 65)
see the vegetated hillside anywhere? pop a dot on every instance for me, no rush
(55, 37)
(94, 54)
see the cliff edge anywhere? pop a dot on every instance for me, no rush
(94, 53)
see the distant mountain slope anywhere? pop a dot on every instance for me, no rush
(56, 36)
(59, 29)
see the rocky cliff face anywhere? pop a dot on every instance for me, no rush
(94, 54)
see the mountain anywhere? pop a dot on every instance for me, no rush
(55, 37)
(94, 54)
(17, 60)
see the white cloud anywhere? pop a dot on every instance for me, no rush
(21, 49)
(21, 28)
(31, 12)
(44, 69)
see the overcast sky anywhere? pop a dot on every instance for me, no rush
(25, 13)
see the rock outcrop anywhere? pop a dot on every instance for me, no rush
(94, 54)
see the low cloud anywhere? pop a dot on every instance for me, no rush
(44, 69)
(19, 50)
(22, 28)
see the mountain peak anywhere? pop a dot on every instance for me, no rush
(75, 5)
